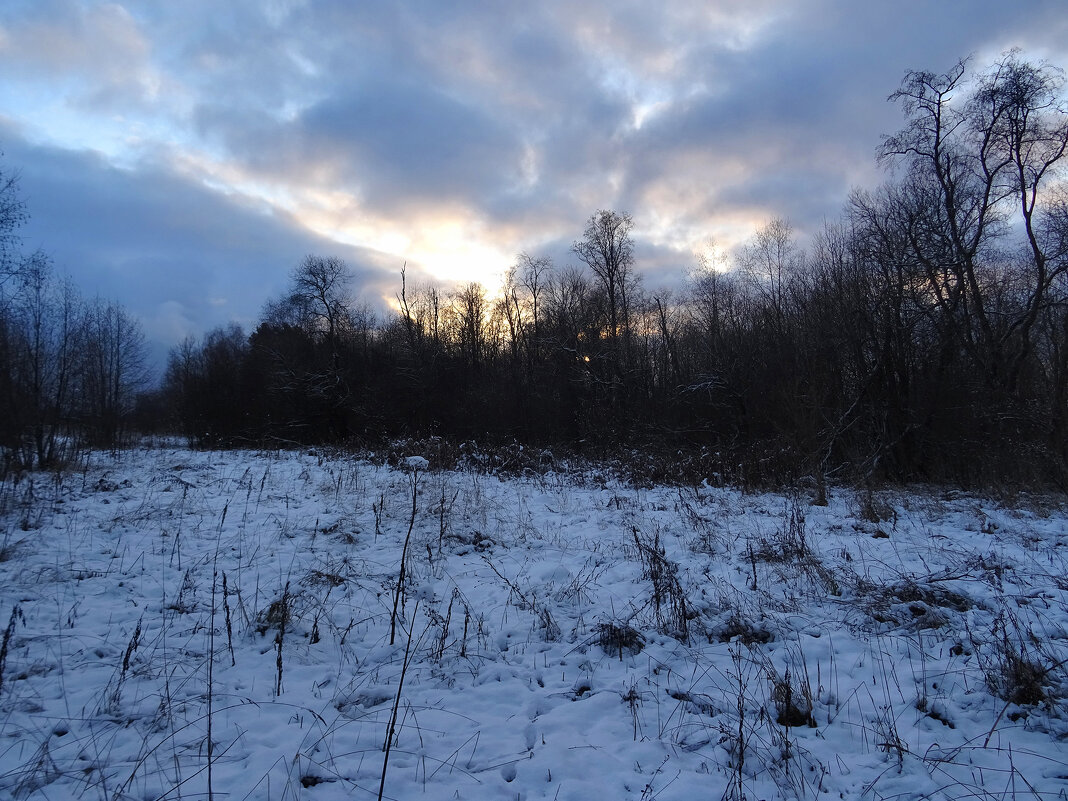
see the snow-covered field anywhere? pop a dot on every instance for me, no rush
(183, 622)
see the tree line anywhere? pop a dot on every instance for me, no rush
(923, 335)
(70, 368)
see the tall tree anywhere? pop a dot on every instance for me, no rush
(608, 250)
(113, 370)
(48, 323)
(975, 166)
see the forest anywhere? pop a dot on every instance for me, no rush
(921, 336)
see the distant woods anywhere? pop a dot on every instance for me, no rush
(70, 368)
(922, 336)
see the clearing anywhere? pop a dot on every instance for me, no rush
(178, 623)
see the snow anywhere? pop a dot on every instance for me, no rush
(567, 637)
(417, 463)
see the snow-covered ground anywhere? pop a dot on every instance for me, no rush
(185, 621)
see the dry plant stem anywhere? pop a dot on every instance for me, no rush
(402, 573)
(439, 650)
(444, 510)
(280, 639)
(377, 508)
(229, 626)
(211, 645)
(391, 729)
(752, 562)
(739, 774)
(441, 516)
(521, 599)
(131, 647)
(16, 613)
(467, 621)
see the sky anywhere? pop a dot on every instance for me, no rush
(182, 158)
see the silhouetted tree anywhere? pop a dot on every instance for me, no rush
(972, 167)
(48, 335)
(113, 371)
(206, 387)
(607, 249)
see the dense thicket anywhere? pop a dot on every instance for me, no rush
(69, 368)
(922, 336)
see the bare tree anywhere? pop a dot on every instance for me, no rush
(422, 313)
(974, 168)
(48, 333)
(770, 261)
(12, 217)
(113, 369)
(536, 273)
(308, 343)
(469, 305)
(715, 296)
(521, 308)
(607, 249)
(320, 292)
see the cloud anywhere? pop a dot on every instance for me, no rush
(97, 53)
(785, 125)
